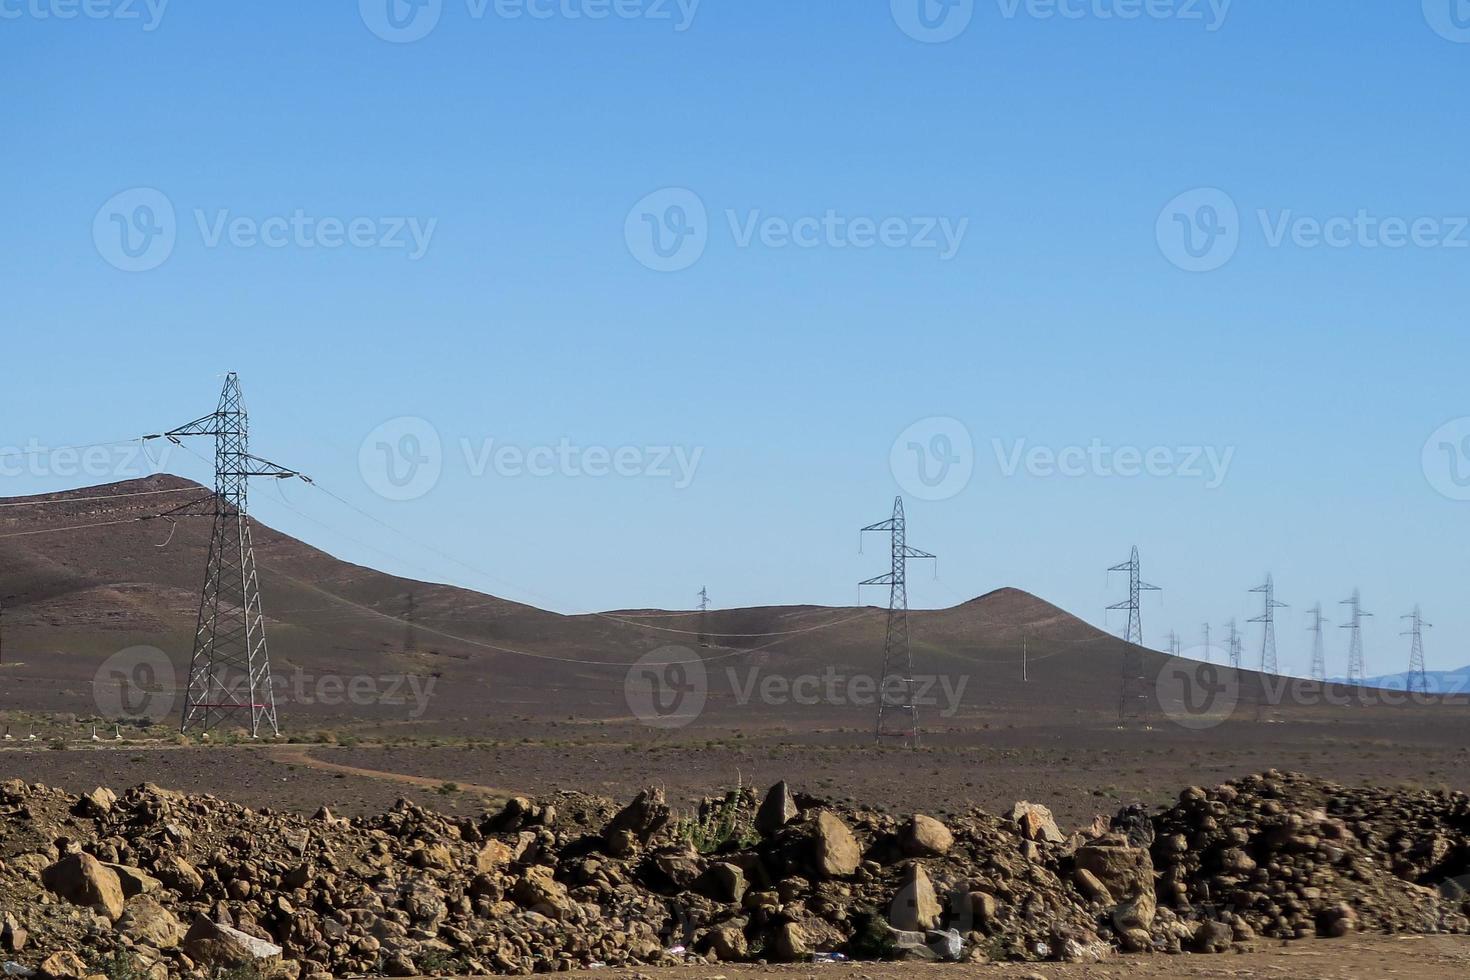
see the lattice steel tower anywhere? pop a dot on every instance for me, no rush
(897, 655)
(1134, 689)
(1357, 672)
(229, 671)
(1176, 645)
(1236, 645)
(1209, 649)
(1319, 645)
(1418, 679)
(1135, 586)
(1268, 632)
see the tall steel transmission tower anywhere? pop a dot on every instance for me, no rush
(1236, 645)
(1418, 679)
(1319, 645)
(1268, 632)
(898, 658)
(1135, 586)
(1134, 690)
(1357, 672)
(704, 616)
(229, 671)
(1209, 650)
(1176, 646)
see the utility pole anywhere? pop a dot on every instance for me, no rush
(897, 654)
(1268, 632)
(1025, 676)
(229, 671)
(1357, 673)
(1134, 689)
(704, 617)
(1319, 645)
(1418, 679)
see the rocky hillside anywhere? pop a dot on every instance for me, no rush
(160, 883)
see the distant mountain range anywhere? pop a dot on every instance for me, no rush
(1439, 681)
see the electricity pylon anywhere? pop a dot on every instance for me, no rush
(1319, 645)
(1357, 672)
(1133, 688)
(1209, 651)
(1236, 646)
(897, 655)
(1135, 586)
(1268, 619)
(229, 671)
(704, 617)
(1176, 646)
(1418, 679)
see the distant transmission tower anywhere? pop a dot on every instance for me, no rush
(1175, 644)
(1268, 633)
(1236, 645)
(1133, 688)
(704, 617)
(1418, 679)
(229, 672)
(1209, 650)
(1319, 645)
(897, 656)
(1357, 672)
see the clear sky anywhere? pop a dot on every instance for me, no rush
(773, 236)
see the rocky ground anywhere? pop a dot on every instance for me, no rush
(159, 883)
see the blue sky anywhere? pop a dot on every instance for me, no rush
(1067, 156)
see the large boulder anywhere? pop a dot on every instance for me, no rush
(642, 818)
(85, 881)
(837, 854)
(1124, 871)
(179, 874)
(1036, 823)
(145, 921)
(776, 811)
(926, 837)
(214, 944)
(916, 907)
(540, 892)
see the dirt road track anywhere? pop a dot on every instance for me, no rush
(295, 755)
(1376, 958)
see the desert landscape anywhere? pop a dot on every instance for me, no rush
(504, 793)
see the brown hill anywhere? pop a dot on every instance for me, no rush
(73, 599)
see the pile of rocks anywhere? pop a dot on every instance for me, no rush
(165, 884)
